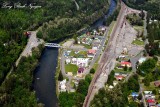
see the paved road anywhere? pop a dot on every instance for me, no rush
(134, 61)
(33, 41)
(108, 59)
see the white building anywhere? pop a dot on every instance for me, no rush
(81, 62)
(62, 86)
(68, 60)
(141, 60)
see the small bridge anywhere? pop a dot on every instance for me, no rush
(54, 45)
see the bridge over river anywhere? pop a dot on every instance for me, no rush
(54, 45)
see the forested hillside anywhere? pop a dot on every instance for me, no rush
(15, 21)
(152, 6)
(58, 18)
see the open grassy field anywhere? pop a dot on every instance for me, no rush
(71, 68)
(80, 54)
(138, 42)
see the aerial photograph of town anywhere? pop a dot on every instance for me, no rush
(79, 53)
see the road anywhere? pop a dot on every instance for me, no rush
(108, 59)
(33, 41)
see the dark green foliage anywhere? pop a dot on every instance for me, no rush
(17, 88)
(125, 68)
(83, 87)
(133, 104)
(112, 17)
(60, 77)
(92, 71)
(14, 22)
(39, 34)
(147, 66)
(71, 99)
(130, 68)
(155, 58)
(118, 96)
(140, 96)
(133, 83)
(151, 7)
(88, 78)
(154, 92)
(135, 19)
(111, 78)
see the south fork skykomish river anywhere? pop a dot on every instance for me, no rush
(44, 81)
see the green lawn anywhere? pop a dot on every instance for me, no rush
(81, 54)
(139, 28)
(95, 66)
(110, 30)
(87, 46)
(71, 68)
(138, 42)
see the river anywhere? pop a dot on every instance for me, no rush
(44, 81)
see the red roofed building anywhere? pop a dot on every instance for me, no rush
(128, 64)
(150, 101)
(91, 52)
(119, 77)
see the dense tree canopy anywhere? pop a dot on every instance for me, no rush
(62, 17)
(16, 90)
(118, 96)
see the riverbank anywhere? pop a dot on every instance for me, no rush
(17, 87)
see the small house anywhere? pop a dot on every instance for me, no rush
(134, 94)
(91, 53)
(141, 60)
(123, 63)
(119, 77)
(68, 60)
(80, 70)
(62, 86)
(157, 83)
(147, 92)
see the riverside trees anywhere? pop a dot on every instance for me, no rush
(17, 88)
(15, 21)
(118, 96)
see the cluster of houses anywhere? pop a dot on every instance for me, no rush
(150, 99)
(63, 86)
(82, 63)
(92, 38)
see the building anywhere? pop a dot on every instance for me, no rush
(123, 63)
(141, 60)
(157, 83)
(68, 60)
(81, 70)
(134, 94)
(119, 77)
(62, 86)
(91, 53)
(81, 62)
(151, 102)
(125, 51)
(147, 92)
